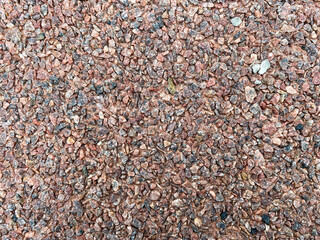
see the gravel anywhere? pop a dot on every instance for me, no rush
(137, 119)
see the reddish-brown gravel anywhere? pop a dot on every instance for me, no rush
(164, 119)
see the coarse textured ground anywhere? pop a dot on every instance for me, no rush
(169, 119)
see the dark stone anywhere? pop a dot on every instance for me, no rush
(288, 148)
(254, 231)
(78, 208)
(213, 211)
(136, 223)
(110, 224)
(296, 226)
(112, 144)
(305, 197)
(79, 232)
(194, 228)
(266, 219)
(58, 228)
(304, 165)
(60, 126)
(192, 159)
(113, 85)
(99, 89)
(159, 24)
(54, 80)
(85, 171)
(236, 35)
(221, 225)
(299, 126)
(76, 57)
(224, 215)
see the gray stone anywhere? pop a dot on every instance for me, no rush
(21, 221)
(255, 108)
(296, 226)
(82, 99)
(219, 198)
(112, 144)
(234, 99)
(284, 64)
(14, 35)
(41, 36)
(304, 146)
(265, 65)
(136, 223)
(3, 137)
(236, 21)
(117, 70)
(44, 9)
(29, 26)
(256, 67)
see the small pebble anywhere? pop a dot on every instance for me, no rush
(44, 9)
(70, 140)
(154, 195)
(198, 222)
(137, 223)
(250, 94)
(236, 21)
(224, 215)
(296, 226)
(266, 219)
(265, 65)
(256, 67)
(253, 231)
(291, 90)
(41, 36)
(221, 225)
(29, 26)
(219, 198)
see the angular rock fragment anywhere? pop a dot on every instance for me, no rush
(236, 21)
(265, 65)
(250, 94)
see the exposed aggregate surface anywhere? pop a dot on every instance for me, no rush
(170, 119)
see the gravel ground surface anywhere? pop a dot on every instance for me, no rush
(177, 119)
